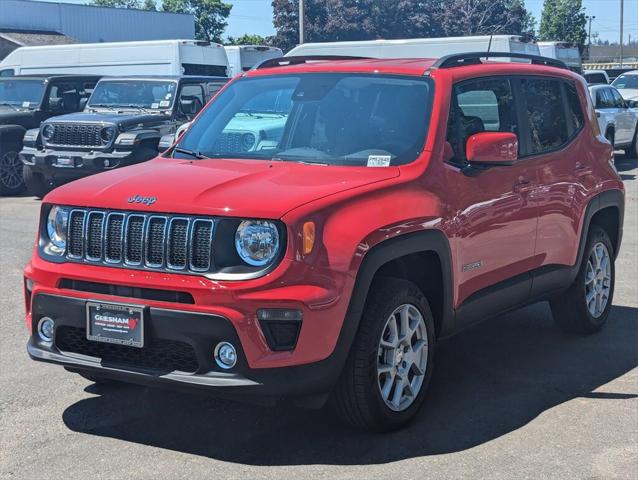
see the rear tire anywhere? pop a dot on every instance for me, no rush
(585, 306)
(35, 182)
(11, 182)
(385, 359)
(632, 151)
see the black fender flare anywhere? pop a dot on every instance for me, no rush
(608, 198)
(12, 132)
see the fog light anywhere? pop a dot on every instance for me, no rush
(46, 326)
(225, 355)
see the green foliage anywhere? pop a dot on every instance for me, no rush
(119, 4)
(210, 16)
(247, 39)
(563, 21)
(335, 20)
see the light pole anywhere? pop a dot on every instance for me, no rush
(301, 15)
(590, 18)
(622, 12)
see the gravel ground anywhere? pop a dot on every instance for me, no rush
(511, 398)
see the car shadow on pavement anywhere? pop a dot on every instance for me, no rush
(489, 380)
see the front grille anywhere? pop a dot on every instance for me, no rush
(76, 134)
(159, 295)
(132, 239)
(158, 355)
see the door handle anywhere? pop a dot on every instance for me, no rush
(523, 186)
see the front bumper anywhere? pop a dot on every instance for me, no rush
(76, 163)
(199, 332)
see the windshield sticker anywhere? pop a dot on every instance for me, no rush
(168, 96)
(26, 104)
(155, 105)
(379, 160)
(164, 103)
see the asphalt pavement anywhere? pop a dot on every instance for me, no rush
(510, 398)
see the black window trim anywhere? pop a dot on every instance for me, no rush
(520, 104)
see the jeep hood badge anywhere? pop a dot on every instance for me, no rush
(148, 201)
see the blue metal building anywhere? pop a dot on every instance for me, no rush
(88, 24)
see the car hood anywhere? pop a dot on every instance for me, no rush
(629, 93)
(235, 188)
(10, 115)
(121, 119)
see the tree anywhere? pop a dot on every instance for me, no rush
(485, 17)
(563, 21)
(149, 5)
(117, 3)
(210, 16)
(247, 39)
(334, 20)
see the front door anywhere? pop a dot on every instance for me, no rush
(495, 217)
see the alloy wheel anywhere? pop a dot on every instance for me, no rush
(11, 170)
(402, 357)
(598, 280)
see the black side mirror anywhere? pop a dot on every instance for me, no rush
(632, 103)
(55, 104)
(188, 107)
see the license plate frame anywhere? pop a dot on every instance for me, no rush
(65, 162)
(115, 325)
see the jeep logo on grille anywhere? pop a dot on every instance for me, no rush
(148, 201)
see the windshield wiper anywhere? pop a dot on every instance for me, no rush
(192, 153)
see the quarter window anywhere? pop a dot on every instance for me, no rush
(482, 105)
(574, 111)
(546, 114)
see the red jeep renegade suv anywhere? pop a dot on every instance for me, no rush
(324, 222)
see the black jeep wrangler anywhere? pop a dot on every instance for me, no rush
(26, 101)
(121, 125)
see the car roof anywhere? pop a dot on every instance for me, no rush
(397, 66)
(194, 78)
(47, 77)
(600, 86)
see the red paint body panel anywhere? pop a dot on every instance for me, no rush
(488, 218)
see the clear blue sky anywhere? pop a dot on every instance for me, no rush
(255, 16)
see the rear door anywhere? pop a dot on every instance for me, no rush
(555, 112)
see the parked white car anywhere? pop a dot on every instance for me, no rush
(627, 85)
(596, 77)
(616, 120)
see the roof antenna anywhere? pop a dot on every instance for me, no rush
(489, 47)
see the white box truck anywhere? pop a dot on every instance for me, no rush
(420, 47)
(157, 57)
(567, 52)
(242, 58)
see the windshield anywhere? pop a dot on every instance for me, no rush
(149, 94)
(326, 118)
(22, 93)
(626, 81)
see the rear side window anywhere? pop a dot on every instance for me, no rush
(574, 109)
(481, 105)
(546, 114)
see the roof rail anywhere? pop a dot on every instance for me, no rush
(474, 58)
(296, 60)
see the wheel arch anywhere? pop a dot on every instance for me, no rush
(11, 132)
(606, 210)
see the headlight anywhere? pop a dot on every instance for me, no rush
(57, 223)
(107, 134)
(247, 141)
(257, 242)
(48, 131)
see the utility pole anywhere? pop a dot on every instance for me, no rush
(622, 13)
(301, 15)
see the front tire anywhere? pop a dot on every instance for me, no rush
(387, 373)
(11, 182)
(585, 307)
